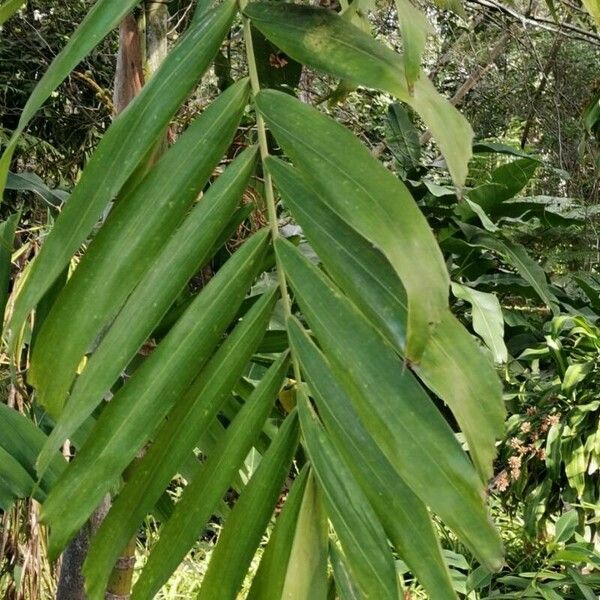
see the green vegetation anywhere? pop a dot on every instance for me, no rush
(300, 301)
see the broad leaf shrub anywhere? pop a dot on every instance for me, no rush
(551, 455)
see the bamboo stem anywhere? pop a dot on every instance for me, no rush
(119, 583)
(129, 76)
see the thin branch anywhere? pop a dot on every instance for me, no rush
(540, 88)
(475, 77)
(576, 32)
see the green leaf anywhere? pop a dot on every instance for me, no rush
(574, 553)
(403, 137)
(200, 497)
(22, 439)
(550, 210)
(7, 496)
(7, 242)
(576, 463)
(45, 304)
(176, 439)
(15, 481)
(134, 234)
(294, 563)
(404, 517)
(370, 199)
(414, 28)
(455, 369)
(452, 364)
(578, 578)
(275, 340)
(20, 442)
(358, 14)
(535, 506)
(360, 269)
(31, 182)
(127, 141)
(518, 257)
(575, 374)
(394, 409)
(323, 40)
(590, 286)
(306, 576)
(100, 20)
(455, 6)
(547, 592)
(360, 533)
(455, 560)
(233, 554)
(593, 7)
(9, 8)
(486, 314)
(515, 175)
(554, 450)
(187, 250)
(488, 196)
(482, 147)
(487, 223)
(202, 7)
(270, 577)
(129, 419)
(565, 526)
(345, 586)
(478, 578)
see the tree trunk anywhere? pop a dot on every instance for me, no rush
(157, 20)
(119, 584)
(70, 581)
(129, 76)
(156, 25)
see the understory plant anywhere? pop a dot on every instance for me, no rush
(543, 337)
(551, 453)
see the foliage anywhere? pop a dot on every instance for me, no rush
(561, 566)
(548, 461)
(552, 449)
(63, 136)
(323, 378)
